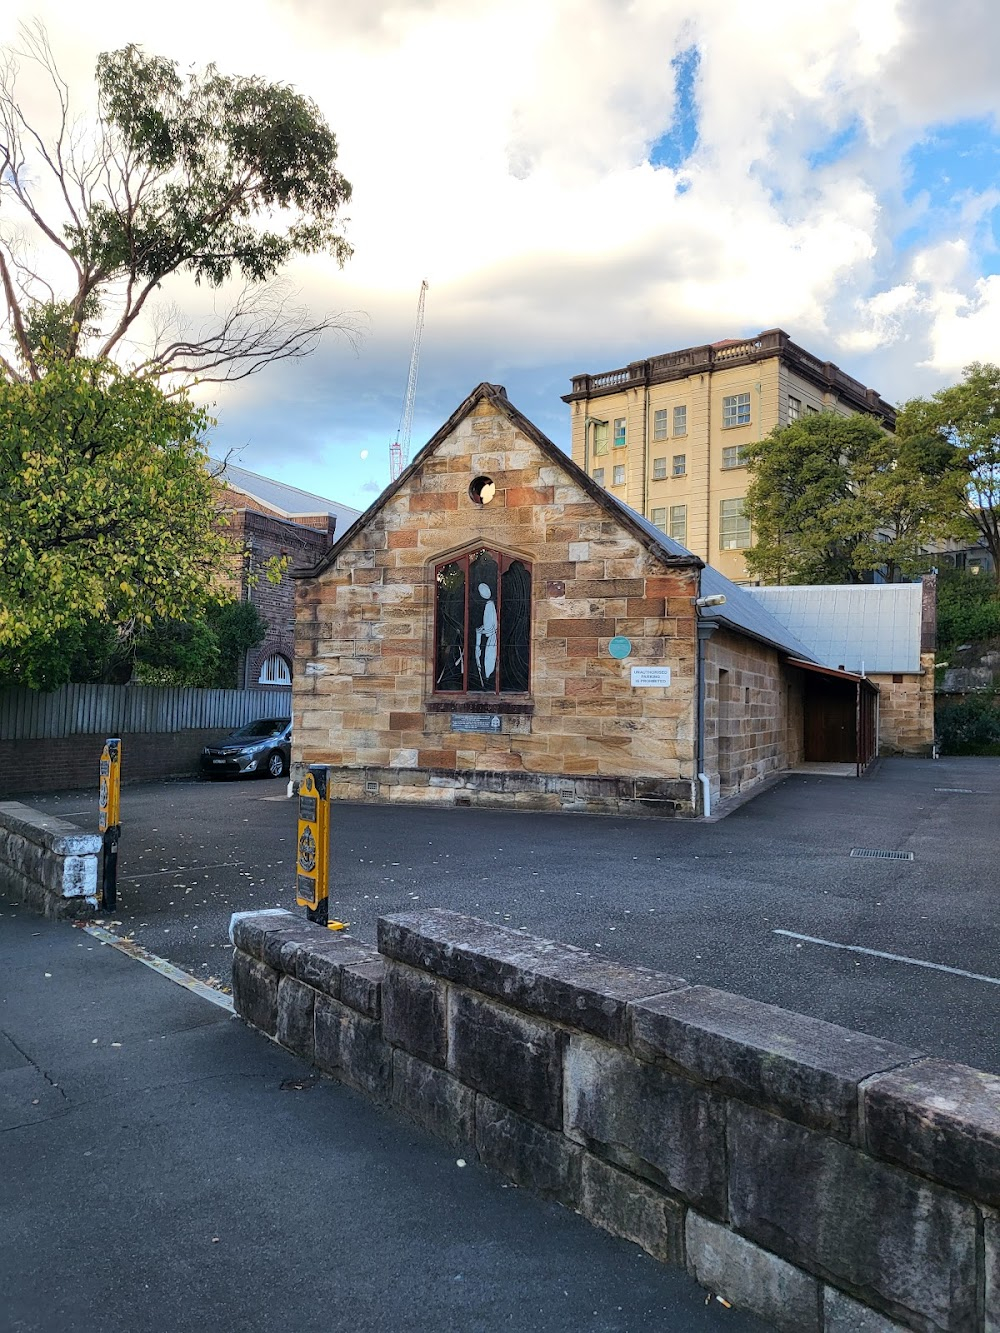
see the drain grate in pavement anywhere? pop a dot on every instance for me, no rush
(876, 854)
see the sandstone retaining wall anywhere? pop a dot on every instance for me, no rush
(48, 863)
(827, 1180)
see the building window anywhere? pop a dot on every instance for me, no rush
(736, 410)
(658, 518)
(734, 456)
(598, 475)
(680, 464)
(482, 624)
(660, 424)
(618, 475)
(659, 469)
(275, 671)
(680, 421)
(810, 408)
(679, 523)
(600, 437)
(734, 526)
(794, 408)
(619, 432)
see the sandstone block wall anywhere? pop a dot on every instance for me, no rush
(47, 862)
(582, 738)
(822, 1178)
(753, 713)
(906, 711)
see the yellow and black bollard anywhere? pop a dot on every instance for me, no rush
(110, 822)
(313, 854)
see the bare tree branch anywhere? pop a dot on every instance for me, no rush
(264, 324)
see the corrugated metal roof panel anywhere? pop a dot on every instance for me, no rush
(869, 627)
(743, 612)
(288, 500)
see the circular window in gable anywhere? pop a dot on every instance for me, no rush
(482, 490)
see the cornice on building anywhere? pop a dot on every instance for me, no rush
(734, 352)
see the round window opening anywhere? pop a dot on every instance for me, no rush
(482, 490)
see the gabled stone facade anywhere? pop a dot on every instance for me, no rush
(581, 737)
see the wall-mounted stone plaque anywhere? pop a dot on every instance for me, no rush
(476, 722)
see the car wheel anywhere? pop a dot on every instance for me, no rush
(275, 764)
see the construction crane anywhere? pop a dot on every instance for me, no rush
(399, 450)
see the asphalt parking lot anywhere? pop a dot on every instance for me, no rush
(703, 900)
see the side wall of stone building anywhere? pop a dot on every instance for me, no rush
(906, 710)
(583, 738)
(753, 713)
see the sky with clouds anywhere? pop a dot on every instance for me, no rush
(588, 182)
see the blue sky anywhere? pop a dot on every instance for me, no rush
(584, 183)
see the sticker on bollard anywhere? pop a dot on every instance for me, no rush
(109, 824)
(313, 845)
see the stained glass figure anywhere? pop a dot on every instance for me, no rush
(482, 630)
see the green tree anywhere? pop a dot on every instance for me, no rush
(968, 610)
(914, 485)
(834, 499)
(107, 516)
(204, 651)
(201, 174)
(969, 413)
(806, 518)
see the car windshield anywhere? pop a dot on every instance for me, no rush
(256, 730)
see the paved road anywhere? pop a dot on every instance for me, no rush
(701, 900)
(157, 1177)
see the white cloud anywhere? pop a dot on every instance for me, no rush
(499, 148)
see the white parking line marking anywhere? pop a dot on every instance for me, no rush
(160, 965)
(893, 957)
(184, 870)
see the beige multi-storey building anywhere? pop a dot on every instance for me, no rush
(667, 435)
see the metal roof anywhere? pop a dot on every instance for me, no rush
(288, 501)
(743, 613)
(861, 627)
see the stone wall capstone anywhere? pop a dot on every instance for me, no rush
(821, 1178)
(47, 862)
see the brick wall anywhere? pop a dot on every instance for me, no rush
(264, 537)
(906, 710)
(753, 713)
(70, 762)
(584, 738)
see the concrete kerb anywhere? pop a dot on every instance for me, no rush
(810, 1174)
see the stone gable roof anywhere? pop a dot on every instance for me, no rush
(671, 553)
(740, 613)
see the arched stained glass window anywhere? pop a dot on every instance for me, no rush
(482, 631)
(275, 671)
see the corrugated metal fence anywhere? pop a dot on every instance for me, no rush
(121, 710)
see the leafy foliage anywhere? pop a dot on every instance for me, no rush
(832, 499)
(107, 516)
(968, 609)
(971, 726)
(969, 414)
(214, 176)
(806, 520)
(202, 652)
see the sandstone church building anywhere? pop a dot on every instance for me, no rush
(497, 629)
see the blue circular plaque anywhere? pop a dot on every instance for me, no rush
(620, 646)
